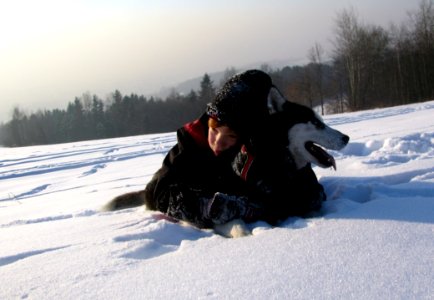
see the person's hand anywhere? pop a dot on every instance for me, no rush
(223, 208)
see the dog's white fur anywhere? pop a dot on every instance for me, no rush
(232, 229)
(304, 132)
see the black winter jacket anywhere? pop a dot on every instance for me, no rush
(190, 172)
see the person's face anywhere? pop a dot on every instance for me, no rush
(221, 138)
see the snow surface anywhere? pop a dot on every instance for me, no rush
(373, 240)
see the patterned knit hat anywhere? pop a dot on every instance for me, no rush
(241, 103)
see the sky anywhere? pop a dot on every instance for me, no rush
(373, 239)
(52, 51)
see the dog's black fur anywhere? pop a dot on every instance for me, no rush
(281, 170)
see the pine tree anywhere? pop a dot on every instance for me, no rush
(207, 91)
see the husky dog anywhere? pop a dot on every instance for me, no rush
(293, 138)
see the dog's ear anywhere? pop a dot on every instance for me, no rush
(275, 100)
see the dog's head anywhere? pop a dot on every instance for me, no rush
(307, 135)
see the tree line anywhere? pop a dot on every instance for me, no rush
(369, 67)
(89, 117)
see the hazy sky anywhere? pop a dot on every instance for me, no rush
(54, 50)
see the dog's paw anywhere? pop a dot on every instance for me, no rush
(233, 229)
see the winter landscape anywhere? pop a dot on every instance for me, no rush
(374, 238)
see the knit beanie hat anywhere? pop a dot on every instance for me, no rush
(241, 103)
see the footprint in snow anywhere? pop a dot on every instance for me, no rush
(32, 192)
(7, 260)
(158, 238)
(111, 151)
(18, 222)
(93, 170)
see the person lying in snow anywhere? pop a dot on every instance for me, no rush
(196, 182)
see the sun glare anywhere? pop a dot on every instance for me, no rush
(24, 23)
